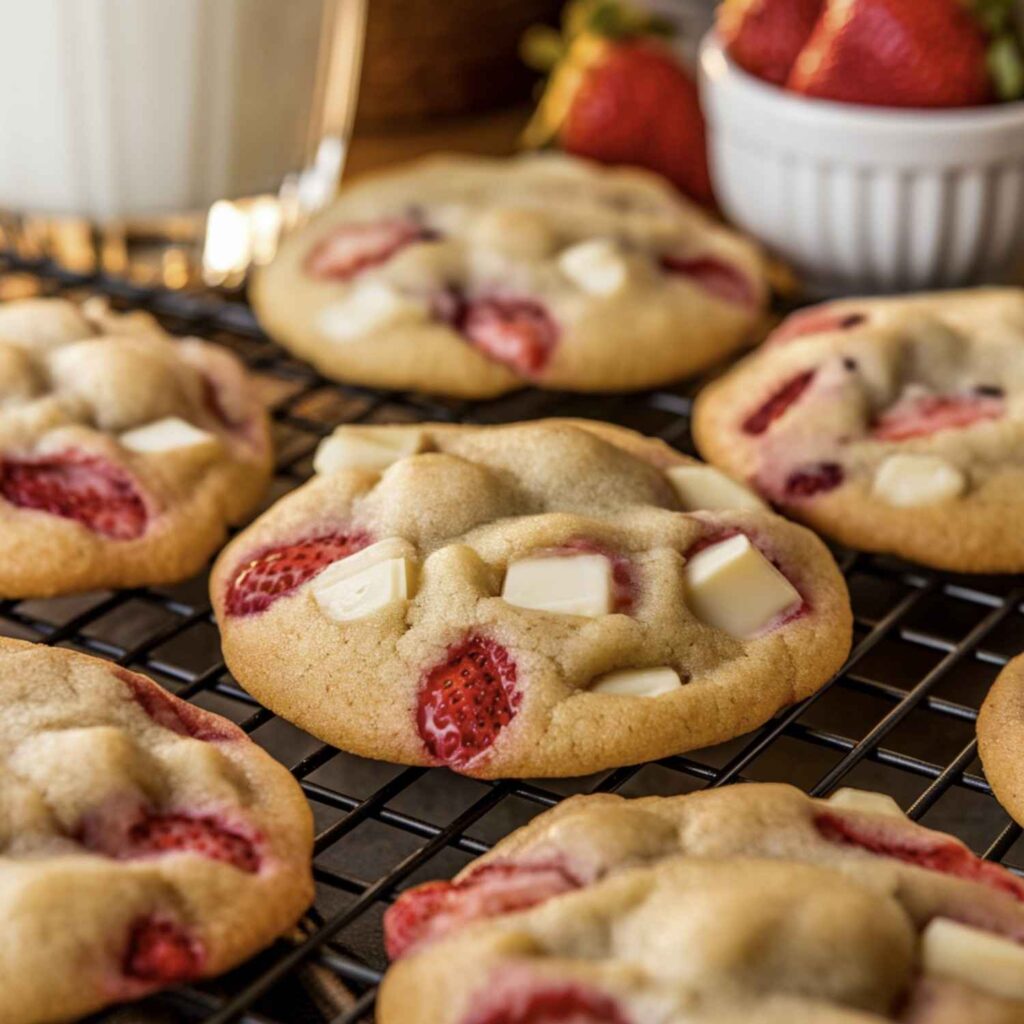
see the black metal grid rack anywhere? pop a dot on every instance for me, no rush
(899, 717)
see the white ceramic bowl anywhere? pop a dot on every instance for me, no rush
(867, 199)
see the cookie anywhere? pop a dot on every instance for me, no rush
(472, 277)
(527, 599)
(891, 425)
(752, 904)
(123, 455)
(144, 842)
(1001, 738)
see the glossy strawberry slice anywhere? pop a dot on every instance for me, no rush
(919, 417)
(715, 276)
(466, 701)
(162, 952)
(516, 332)
(352, 248)
(437, 909)
(278, 571)
(789, 394)
(85, 488)
(552, 1004)
(819, 478)
(934, 853)
(813, 321)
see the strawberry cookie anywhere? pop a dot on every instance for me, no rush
(1001, 738)
(123, 455)
(473, 277)
(144, 842)
(892, 425)
(550, 598)
(748, 905)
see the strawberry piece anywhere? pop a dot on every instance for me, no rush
(813, 321)
(177, 715)
(85, 488)
(818, 478)
(765, 415)
(637, 104)
(160, 951)
(895, 53)
(466, 701)
(276, 572)
(765, 37)
(552, 1004)
(437, 909)
(933, 853)
(516, 332)
(919, 417)
(715, 276)
(352, 248)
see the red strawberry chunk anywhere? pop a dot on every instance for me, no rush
(437, 909)
(162, 952)
(765, 415)
(721, 279)
(276, 572)
(516, 332)
(921, 416)
(177, 715)
(352, 248)
(552, 1004)
(809, 481)
(85, 488)
(466, 701)
(813, 321)
(934, 853)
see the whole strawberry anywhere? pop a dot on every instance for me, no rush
(620, 95)
(765, 37)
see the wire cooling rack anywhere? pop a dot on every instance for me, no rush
(898, 718)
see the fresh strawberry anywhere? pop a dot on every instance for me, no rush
(896, 53)
(258, 583)
(810, 481)
(817, 320)
(921, 416)
(516, 332)
(352, 248)
(177, 715)
(765, 415)
(160, 951)
(437, 909)
(765, 37)
(551, 1004)
(619, 95)
(466, 701)
(933, 853)
(85, 488)
(715, 276)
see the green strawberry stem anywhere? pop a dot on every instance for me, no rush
(1005, 57)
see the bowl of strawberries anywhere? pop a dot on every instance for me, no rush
(875, 145)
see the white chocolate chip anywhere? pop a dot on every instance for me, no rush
(733, 587)
(850, 799)
(569, 584)
(166, 435)
(596, 266)
(638, 682)
(909, 481)
(704, 487)
(975, 957)
(366, 448)
(363, 583)
(370, 306)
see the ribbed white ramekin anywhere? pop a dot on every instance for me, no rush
(867, 199)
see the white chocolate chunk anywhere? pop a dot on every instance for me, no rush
(909, 481)
(363, 583)
(977, 958)
(569, 584)
(166, 435)
(733, 587)
(366, 448)
(704, 487)
(863, 800)
(638, 682)
(596, 266)
(370, 306)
